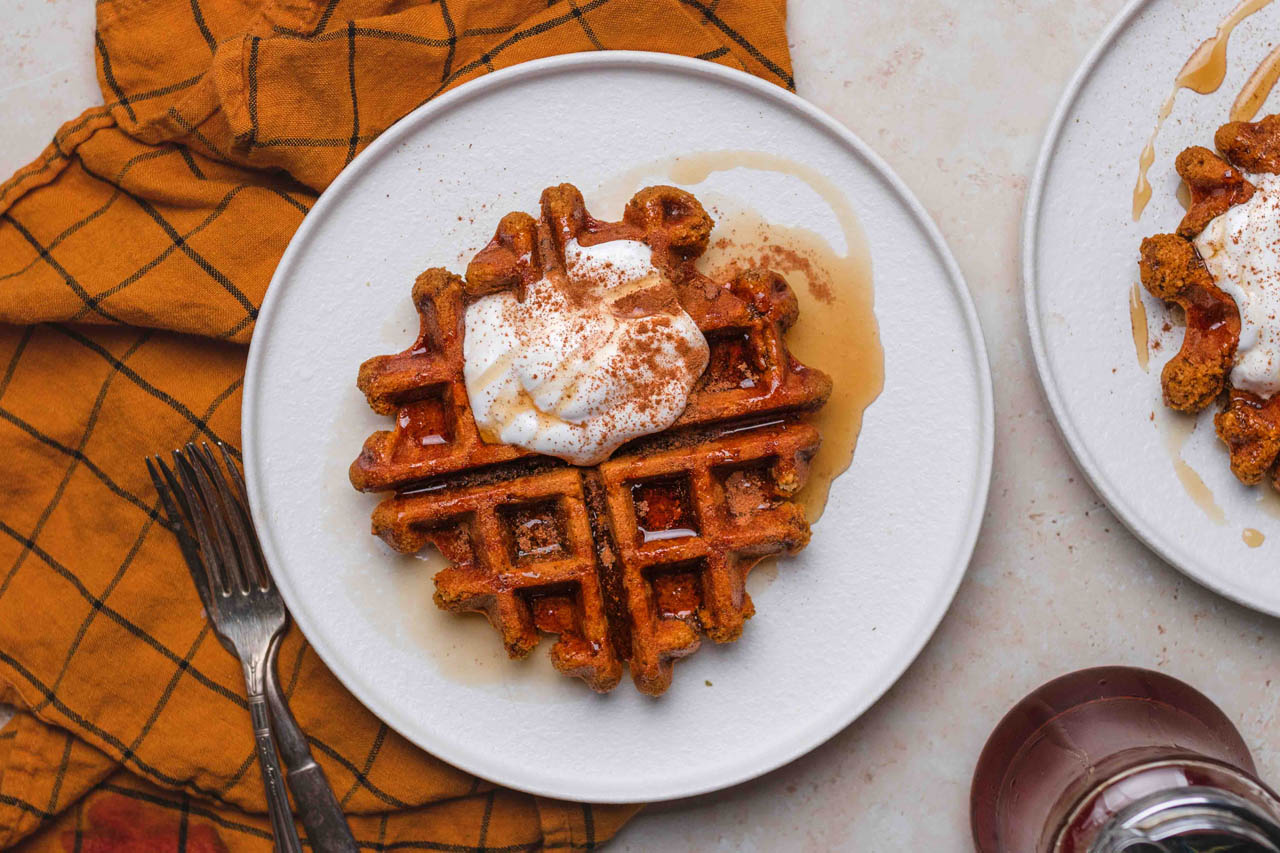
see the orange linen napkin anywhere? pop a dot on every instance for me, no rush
(134, 253)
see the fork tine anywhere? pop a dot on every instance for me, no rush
(175, 489)
(236, 573)
(172, 519)
(236, 477)
(237, 480)
(214, 561)
(168, 489)
(234, 518)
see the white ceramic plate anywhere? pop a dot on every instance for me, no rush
(840, 623)
(1080, 253)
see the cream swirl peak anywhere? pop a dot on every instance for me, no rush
(591, 358)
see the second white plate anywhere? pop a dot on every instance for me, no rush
(1165, 475)
(839, 623)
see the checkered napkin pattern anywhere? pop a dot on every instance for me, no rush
(134, 253)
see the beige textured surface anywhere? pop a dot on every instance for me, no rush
(955, 94)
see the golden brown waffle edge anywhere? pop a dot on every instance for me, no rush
(632, 560)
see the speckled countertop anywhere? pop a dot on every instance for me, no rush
(955, 94)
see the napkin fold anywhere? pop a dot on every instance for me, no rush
(134, 253)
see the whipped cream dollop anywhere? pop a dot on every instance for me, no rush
(587, 361)
(1241, 249)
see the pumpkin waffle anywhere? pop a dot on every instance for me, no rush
(1172, 270)
(633, 559)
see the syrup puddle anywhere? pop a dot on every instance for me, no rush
(836, 331)
(1138, 321)
(1177, 434)
(462, 647)
(1203, 73)
(1253, 538)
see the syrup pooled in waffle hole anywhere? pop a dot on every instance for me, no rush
(633, 559)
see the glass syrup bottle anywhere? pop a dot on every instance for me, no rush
(1120, 760)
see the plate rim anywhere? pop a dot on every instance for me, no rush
(1170, 552)
(638, 60)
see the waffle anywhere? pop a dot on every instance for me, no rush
(1171, 270)
(634, 559)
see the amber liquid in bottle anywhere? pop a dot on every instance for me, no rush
(1078, 751)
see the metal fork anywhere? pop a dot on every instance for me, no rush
(249, 617)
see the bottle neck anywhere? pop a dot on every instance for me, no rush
(1190, 819)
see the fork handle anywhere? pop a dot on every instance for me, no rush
(286, 834)
(318, 808)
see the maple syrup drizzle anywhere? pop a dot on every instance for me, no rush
(1138, 321)
(1202, 73)
(1176, 438)
(1253, 538)
(1142, 190)
(1207, 67)
(836, 331)
(1257, 88)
